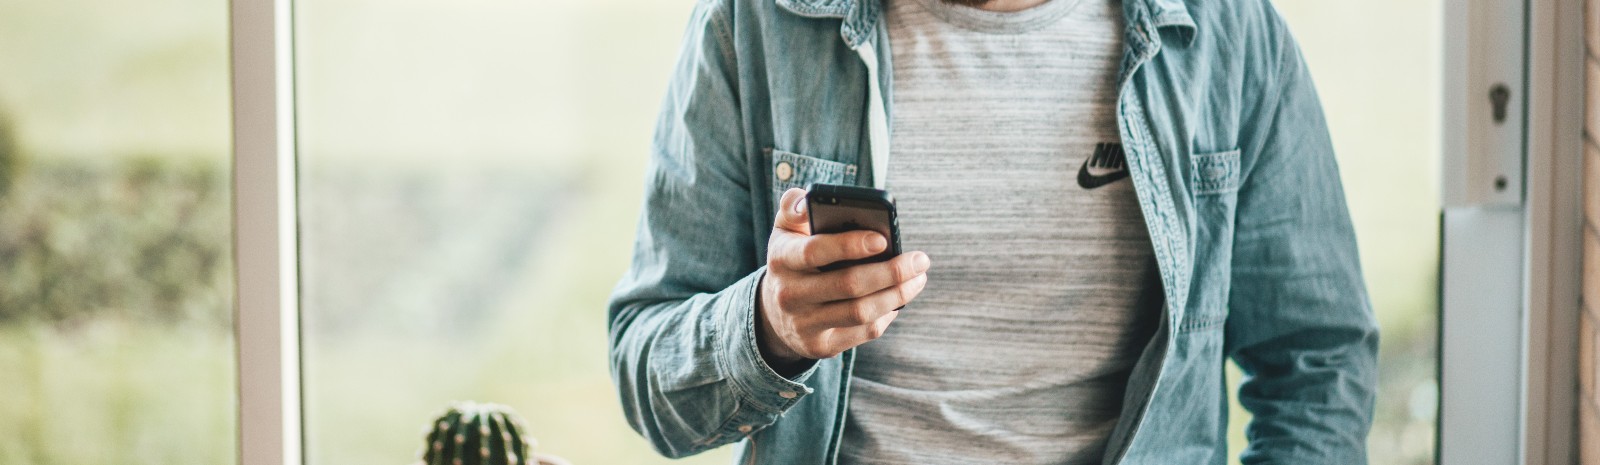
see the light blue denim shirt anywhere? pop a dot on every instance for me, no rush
(1236, 179)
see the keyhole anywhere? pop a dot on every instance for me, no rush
(1499, 95)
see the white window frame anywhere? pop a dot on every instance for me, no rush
(267, 310)
(1510, 271)
(1508, 333)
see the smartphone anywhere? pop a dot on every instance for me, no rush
(836, 209)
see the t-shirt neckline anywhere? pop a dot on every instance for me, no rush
(1000, 22)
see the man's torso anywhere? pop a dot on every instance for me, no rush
(1008, 173)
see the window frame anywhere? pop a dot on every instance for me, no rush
(267, 313)
(1555, 151)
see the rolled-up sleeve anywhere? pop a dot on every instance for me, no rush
(683, 352)
(1300, 324)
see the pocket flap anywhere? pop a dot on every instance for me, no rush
(789, 170)
(1216, 173)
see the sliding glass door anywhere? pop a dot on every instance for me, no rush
(449, 189)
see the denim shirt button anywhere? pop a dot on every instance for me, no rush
(787, 394)
(745, 429)
(784, 171)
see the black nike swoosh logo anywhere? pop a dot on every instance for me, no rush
(1089, 181)
(1105, 156)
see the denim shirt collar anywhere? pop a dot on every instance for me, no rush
(1143, 18)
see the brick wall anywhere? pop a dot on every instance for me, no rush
(1589, 400)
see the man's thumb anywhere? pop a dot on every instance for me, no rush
(792, 214)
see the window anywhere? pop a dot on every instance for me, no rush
(116, 282)
(467, 174)
(470, 176)
(467, 171)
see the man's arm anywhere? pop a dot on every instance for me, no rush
(683, 354)
(696, 320)
(1300, 324)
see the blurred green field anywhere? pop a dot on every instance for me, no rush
(116, 392)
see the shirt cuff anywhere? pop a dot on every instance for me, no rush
(741, 358)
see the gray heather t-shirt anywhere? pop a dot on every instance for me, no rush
(1044, 289)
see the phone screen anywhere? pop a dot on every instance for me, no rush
(840, 215)
(848, 215)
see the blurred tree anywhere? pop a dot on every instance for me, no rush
(144, 238)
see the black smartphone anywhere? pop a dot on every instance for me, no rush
(835, 209)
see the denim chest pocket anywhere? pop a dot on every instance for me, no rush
(1216, 173)
(789, 170)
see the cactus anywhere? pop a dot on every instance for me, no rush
(478, 434)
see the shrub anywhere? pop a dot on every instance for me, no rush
(145, 239)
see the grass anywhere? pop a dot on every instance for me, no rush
(116, 392)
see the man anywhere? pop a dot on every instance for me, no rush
(1100, 201)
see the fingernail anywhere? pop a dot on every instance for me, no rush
(876, 243)
(922, 262)
(800, 206)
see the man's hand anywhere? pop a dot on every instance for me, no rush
(804, 313)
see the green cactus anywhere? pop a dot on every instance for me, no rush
(478, 434)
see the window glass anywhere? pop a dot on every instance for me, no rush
(1377, 66)
(468, 170)
(116, 337)
(470, 176)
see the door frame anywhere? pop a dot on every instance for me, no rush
(1511, 259)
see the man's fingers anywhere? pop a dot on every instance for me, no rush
(792, 214)
(863, 311)
(876, 329)
(812, 252)
(865, 279)
(838, 340)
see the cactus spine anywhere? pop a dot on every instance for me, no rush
(478, 434)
